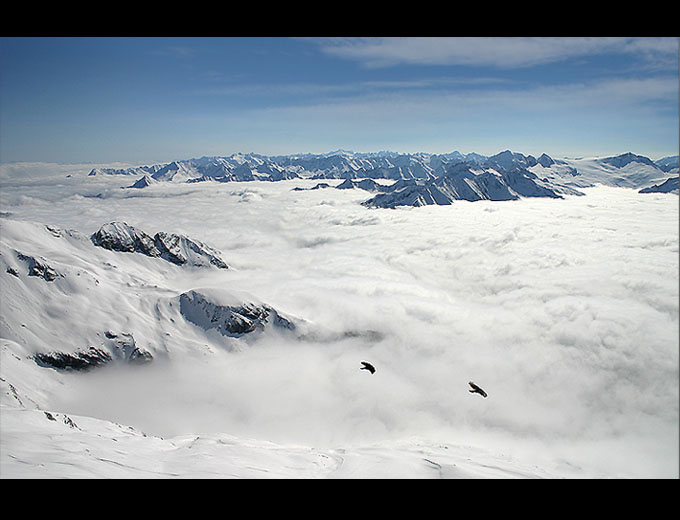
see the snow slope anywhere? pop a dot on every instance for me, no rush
(626, 170)
(564, 310)
(39, 444)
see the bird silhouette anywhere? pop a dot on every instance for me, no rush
(367, 366)
(476, 389)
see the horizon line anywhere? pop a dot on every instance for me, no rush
(337, 151)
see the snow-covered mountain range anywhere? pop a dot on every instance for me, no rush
(423, 179)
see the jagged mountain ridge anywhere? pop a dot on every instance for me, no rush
(343, 165)
(335, 165)
(433, 178)
(462, 182)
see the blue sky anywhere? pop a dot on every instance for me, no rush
(147, 100)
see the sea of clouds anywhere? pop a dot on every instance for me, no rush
(564, 311)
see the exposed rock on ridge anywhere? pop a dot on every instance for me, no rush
(234, 318)
(178, 249)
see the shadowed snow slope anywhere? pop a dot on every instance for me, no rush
(564, 310)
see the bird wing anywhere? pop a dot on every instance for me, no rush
(368, 366)
(477, 389)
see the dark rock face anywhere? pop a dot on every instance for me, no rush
(545, 160)
(116, 348)
(120, 236)
(462, 182)
(38, 268)
(79, 360)
(619, 161)
(670, 185)
(178, 249)
(364, 184)
(508, 160)
(229, 320)
(321, 185)
(523, 182)
(143, 182)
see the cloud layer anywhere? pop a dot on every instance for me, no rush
(513, 52)
(565, 312)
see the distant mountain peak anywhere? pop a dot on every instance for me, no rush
(545, 160)
(619, 161)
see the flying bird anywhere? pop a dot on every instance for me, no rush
(367, 366)
(476, 389)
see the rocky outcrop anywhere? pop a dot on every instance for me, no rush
(120, 348)
(38, 267)
(125, 348)
(364, 184)
(182, 250)
(229, 316)
(143, 182)
(178, 249)
(78, 360)
(669, 186)
(120, 236)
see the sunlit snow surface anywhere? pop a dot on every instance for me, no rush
(564, 311)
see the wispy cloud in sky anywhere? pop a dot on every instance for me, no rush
(534, 117)
(497, 52)
(438, 93)
(348, 88)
